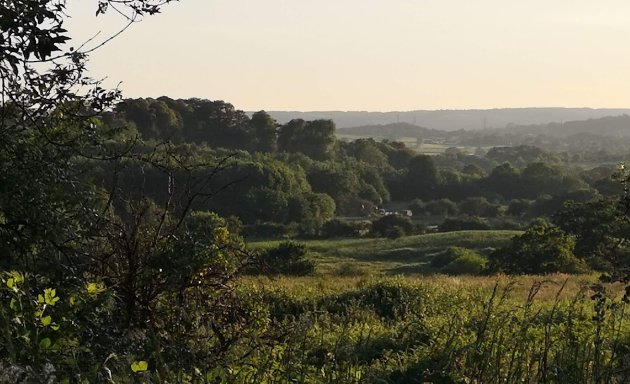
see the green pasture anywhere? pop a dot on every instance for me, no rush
(408, 255)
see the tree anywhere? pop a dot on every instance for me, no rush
(153, 118)
(442, 207)
(263, 128)
(504, 180)
(474, 171)
(216, 123)
(392, 226)
(519, 207)
(601, 232)
(133, 285)
(367, 151)
(288, 258)
(422, 177)
(543, 248)
(478, 206)
(315, 139)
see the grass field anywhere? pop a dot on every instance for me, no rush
(379, 256)
(374, 313)
(440, 329)
(412, 142)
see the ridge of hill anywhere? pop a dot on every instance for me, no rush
(452, 120)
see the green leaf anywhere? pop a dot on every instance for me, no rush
(50, 296)
(46, 320)
(17, 277)
(94, 288)
(45, 343)
(139, 366)
(10, 283)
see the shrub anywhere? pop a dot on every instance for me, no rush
(469, 263)
(478, 206)
(288, 258)
(463, 223)
(392, 226)
(543, 248)
(266, 230)
(394, 232)
(340, 228)
(442, 259)
(459, 261)
(519, 207)
(388, 299)
(444, 207)
(417, 207)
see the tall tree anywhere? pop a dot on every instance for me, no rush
(263, 129)
(128, 286)
(422, 177)
(315, 139)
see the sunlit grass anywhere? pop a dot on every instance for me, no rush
(381, 256)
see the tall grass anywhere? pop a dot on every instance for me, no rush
(443, 330)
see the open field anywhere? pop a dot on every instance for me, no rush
(442, 329)
(562, 286)
(412, 143)
(379, 256)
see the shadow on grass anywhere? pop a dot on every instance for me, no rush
(411, 269)
(409, 255)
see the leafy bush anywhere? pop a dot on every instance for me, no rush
(394, 232)
(467, 264)
(342, 228)
(288, 258)
(478, 206)
(459, 261)
(442, 207)
(463, 223)
(543, 248)
(266, 230)
(49, 333)
(442, 259)
(392, 226)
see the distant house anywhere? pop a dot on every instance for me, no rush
(404, 212)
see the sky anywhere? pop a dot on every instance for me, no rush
(369, 55)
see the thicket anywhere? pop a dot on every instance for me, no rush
(396, 332)
(288, 258)
(359, 175)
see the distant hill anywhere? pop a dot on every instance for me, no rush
(392, 131)
(616, 126)
(451, 120)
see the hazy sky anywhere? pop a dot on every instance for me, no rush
(371, 54)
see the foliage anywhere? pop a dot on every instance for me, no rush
(106, 273)
(315, 139)
(478, 206)
(466, 264)
(458, 261)
(341, 228)
(463, 223)
(543, 248)
(601, 232)
(115, 268)
(47, 331)
(389, 225)
(443, 207)
(288, 258)
(399, 331)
